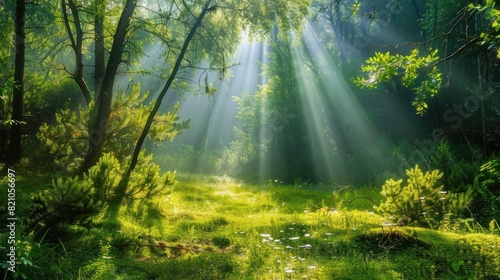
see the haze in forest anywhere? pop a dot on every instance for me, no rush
(212, 139)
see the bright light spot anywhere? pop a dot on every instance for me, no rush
(244, 38)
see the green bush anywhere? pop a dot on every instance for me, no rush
(69, 202)
(443, 160)
(422, 201)
(486, 202)
(76, 201)
(145, 181)
(462, 176)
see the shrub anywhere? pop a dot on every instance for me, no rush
(422, 200)
(486, 202)
(75, 201)
(443, 159)
(462, 176)
(69, 202)
(145, 181)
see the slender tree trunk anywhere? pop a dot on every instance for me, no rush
(18, 93)
(99, 47)
(171, 78)
(98, 130)
(77, 46)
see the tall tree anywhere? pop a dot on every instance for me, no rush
(99, 48)
(206, 8)
(6, 36)
(18, 92)
(105, 95)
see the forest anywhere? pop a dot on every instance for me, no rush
(241, 139)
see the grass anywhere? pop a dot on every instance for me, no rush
(213, 227)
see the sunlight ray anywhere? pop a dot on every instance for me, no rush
(350, 125)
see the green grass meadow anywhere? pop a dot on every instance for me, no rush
(211, 227)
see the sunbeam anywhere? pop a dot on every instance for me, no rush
(345, 131)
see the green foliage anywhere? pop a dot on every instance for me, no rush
(38, 259)
(68, 202)
(77, 201)
(422, 200)
(492, 14)
(486, 203)
(67, 139)
(421, 73)
(462, 176)
(145, 181)
(273, 124)
(104, 176)
(6, 71)
(247, 144)
(6, 35)
(188, 158)
(221, 242)
(50, 98)
(443, 159)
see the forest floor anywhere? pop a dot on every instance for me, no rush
(211, 227)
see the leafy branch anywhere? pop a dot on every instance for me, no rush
(383, 67)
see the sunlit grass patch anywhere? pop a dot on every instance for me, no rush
(204, 266)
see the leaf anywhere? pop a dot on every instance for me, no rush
(456, 265)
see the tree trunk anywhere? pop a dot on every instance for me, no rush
(98, 130)
(18, 93)
(77, 46)
(99, 47)
(153, 112)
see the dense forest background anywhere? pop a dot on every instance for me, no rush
(263, 92)
(294, 98)
(106, 101)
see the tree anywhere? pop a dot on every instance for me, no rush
(6, 35)
(18, 92)
(206, 8)
(273, 141)
(105, 94)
